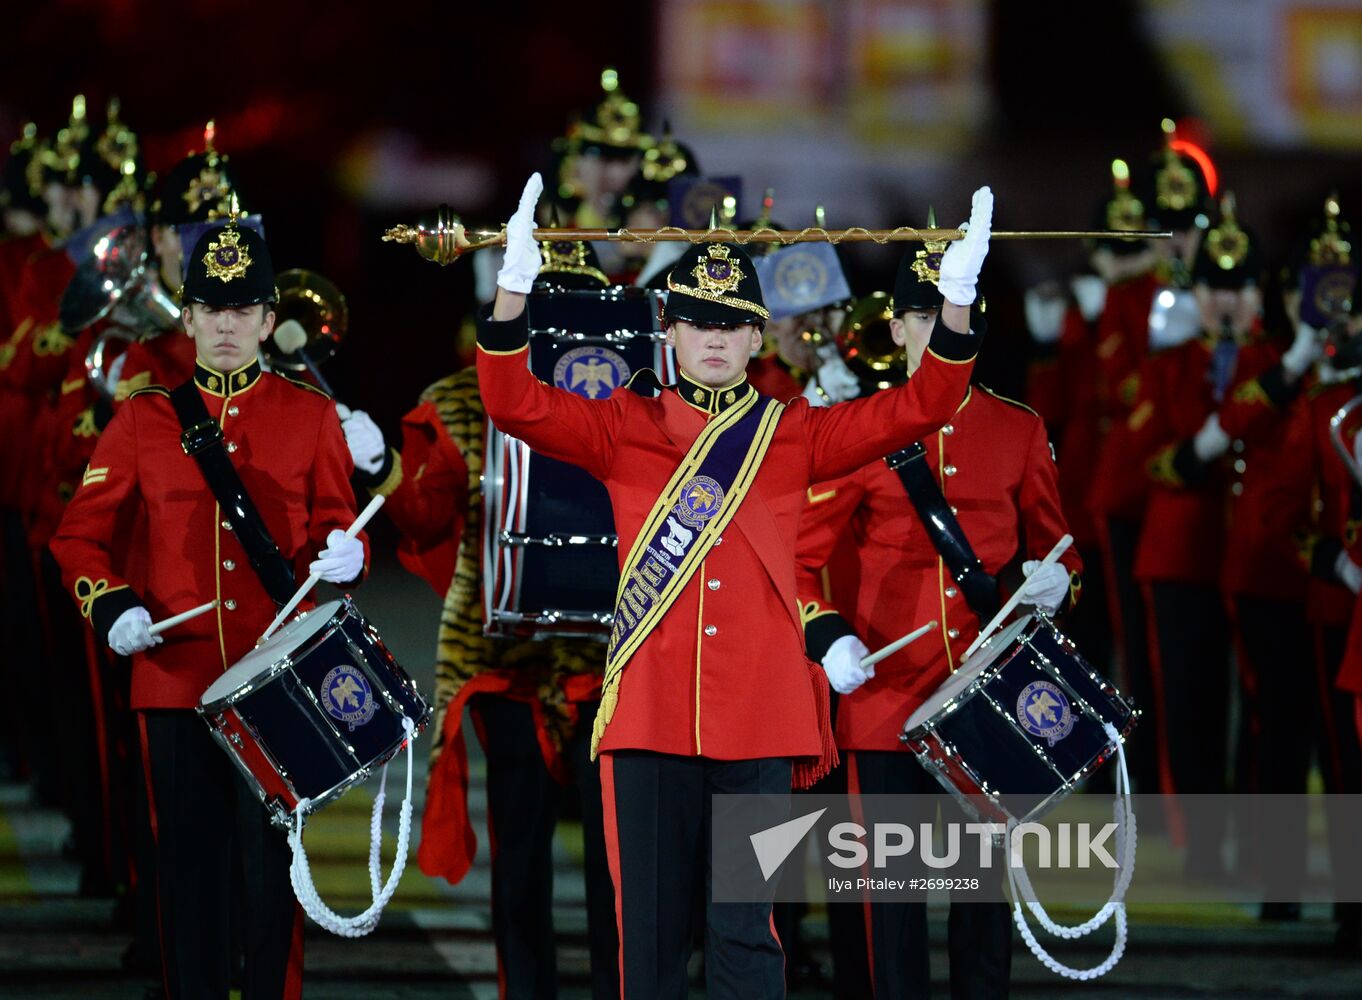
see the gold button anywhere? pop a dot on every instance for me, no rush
(954, 633)
(226, 524)
(953, 510)
(232, 411)
(951, 591)
(713, 584)
(719, 540)
(1237, 489)
(948, 429)
(711, 630)
(231, 447)
(950, 470)
(228, 565)
(229, 604)
(1240, 465)
(1238, 446)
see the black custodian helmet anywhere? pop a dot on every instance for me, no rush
(715, 284)
(230, 267)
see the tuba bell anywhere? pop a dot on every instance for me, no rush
(867, 345)
(117, 282)
(310, 320)
(1336, 436)
(102, 363)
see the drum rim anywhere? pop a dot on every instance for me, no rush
(345, 609)
(283, 818)
(953, 704)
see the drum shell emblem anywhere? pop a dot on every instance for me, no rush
(1044, 711)
(591, 372)
(347, 696)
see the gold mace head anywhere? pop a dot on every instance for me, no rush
(441, 236)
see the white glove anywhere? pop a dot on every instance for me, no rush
(1348, 572)
(1090, 292)
(522, 262)
(835, 379)
(964, 257)
(1045, 313)
(341, 560)
(842, 664)
(365, 441)
(1211, 441)
(1305, 350)
(1046, 586)
(130, 633)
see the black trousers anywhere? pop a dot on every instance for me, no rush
(1276, 663)
(1340, 763)
(846, 921)
(1129, 622)
(658, 811)
(1192, 670)
(523, 805)
(208, 826)
(979, 935)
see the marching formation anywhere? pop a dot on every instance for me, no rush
(682, 494)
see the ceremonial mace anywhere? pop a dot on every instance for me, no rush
(443, 238)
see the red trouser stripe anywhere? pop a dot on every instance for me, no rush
(1177, 824)
(612, 848)
(858, 816)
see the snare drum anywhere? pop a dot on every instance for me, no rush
(313, 710)
(550, 566)
(1020, 725)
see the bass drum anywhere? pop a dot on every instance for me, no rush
(550, 566)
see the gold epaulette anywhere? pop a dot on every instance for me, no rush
(157, 390)
(302, 384)
(1013, 402)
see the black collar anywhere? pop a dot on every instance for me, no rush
(702, 397)
(226, 384)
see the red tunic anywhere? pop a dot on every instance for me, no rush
(1271, 469)
(292, 459)
(1183, 535)
(1063, 390)
(1119, 488)
(995, 467)
(724, 673)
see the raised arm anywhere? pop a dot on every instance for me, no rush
(846, 437)
(552, 421)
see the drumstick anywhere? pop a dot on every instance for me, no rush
(896, 645)
(1060, 548)
(158, 627)
(312, 579)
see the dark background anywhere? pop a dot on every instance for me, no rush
(298, 88)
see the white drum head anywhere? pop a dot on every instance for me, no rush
(279, 645)
(980, 660)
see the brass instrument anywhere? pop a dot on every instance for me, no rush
(314, 303)
(443, 238)
(867, 345)
(102, 365)
(1336, 423)
(118, 282)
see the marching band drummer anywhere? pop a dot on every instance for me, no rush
(282, 444)
(931, 539)
(707, 482)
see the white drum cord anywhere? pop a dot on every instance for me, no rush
(301, 875)
(1124, 814)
